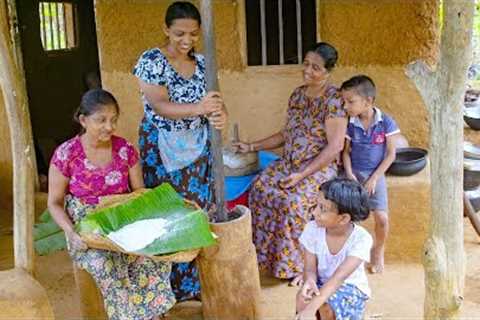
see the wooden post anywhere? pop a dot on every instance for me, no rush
(212, 85)
(15, 98)
(15, 36)
(443, 91)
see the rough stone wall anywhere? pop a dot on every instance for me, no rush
(381, 32)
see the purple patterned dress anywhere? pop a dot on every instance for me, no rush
(279, 215)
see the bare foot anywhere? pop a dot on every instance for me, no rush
(296, 281)
(376, 264)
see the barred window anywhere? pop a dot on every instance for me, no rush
(279, 31)
(57, 25)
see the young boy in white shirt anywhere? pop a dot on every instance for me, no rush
(336, 249)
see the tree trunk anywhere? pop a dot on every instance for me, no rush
(442, 91)
(15, 99)
(212, 85)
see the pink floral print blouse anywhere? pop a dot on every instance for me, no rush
(89, 182)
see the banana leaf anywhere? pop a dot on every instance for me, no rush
(186, 227)
(181, 235)
(45, 216)
(47, 235)
(51, 243)
(45, 229)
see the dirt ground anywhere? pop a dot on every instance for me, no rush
(397, 294)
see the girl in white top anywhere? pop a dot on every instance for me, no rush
(336, 249)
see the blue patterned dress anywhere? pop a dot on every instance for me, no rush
(193, 181)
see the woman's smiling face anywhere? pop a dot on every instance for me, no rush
(183, 34)
(101, 124)
(314, 71)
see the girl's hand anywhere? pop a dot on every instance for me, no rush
(291, 180)
(242, 147)
(218, 119)
(371, 184)
(75, 242)
(211, 103)
(309, 289)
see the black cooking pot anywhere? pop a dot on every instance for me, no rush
(408, 161)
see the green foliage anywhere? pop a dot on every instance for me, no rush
(476, 20)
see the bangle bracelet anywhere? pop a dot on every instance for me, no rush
(250, 147)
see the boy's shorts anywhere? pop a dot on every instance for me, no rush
(348, 302)
(379, 200)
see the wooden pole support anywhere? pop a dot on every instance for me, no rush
(212, 85)
(16, 105)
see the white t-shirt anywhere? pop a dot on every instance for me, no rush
(358, 244)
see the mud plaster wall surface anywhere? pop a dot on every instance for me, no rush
(138, 26)
(256, 97)
(386, 32)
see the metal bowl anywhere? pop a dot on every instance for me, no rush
(472, 117)
(474, 197)
(471, 174)
(408, 161)
(471, 150)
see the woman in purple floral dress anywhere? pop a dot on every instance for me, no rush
(284, 195)
(93, 164)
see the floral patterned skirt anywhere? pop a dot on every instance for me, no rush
(194, 182)
(132, 287)
(279, 216)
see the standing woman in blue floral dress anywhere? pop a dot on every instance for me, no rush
(174, 138)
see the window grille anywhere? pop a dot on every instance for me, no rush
(57, 25)
(279, 31)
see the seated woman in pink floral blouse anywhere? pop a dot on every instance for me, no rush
(93, 164)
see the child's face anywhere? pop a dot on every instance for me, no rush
(355, 104)
(326, 213)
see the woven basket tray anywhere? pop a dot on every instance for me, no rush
(99, 242)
